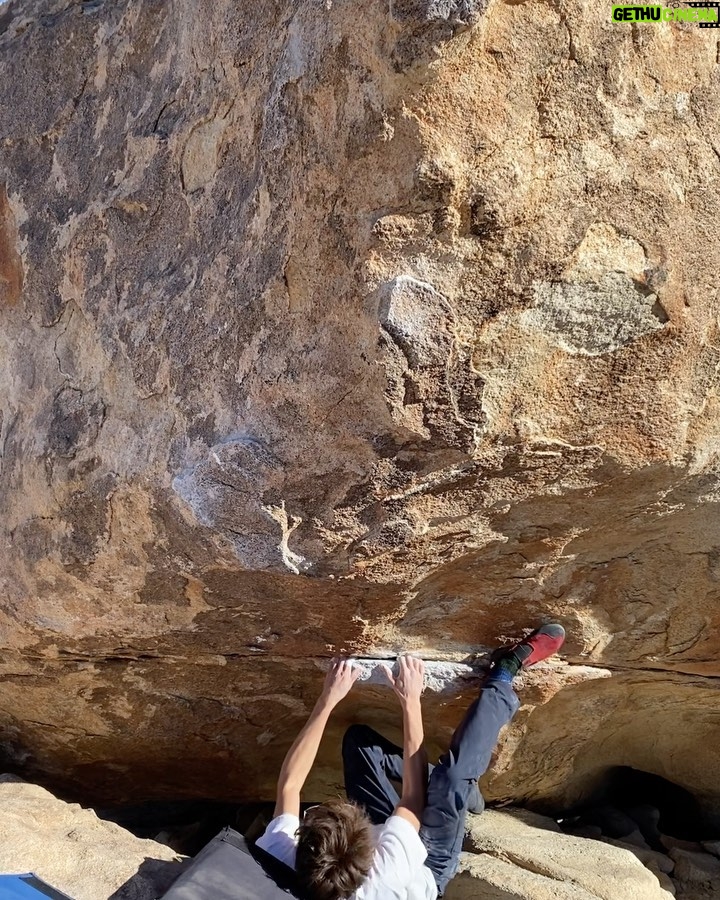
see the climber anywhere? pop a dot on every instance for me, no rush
(379, 845)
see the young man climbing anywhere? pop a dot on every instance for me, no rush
(379, 845)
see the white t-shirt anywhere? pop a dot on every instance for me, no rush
(398, 871)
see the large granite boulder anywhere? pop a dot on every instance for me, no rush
(76, 852)
(511, 855)
(352, 327)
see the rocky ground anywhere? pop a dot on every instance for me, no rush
(509, 854)
(516, 854)
(73, 850)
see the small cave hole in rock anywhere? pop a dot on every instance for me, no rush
(628, 801)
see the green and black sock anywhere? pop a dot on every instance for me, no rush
(507, 667)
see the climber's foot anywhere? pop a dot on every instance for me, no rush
(541, 643)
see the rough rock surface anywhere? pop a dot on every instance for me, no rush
(697, 874)
(347, 326)
(508, 854)
(515, 855)
(74, 851)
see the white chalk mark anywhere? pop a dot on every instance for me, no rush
(447, 677)
(292, 560)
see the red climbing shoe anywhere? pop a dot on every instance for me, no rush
(543, 642)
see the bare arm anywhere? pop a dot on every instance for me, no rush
(408, 685)
(301, 756)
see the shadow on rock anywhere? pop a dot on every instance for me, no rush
(151, 880)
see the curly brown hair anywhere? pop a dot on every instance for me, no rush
(335, 850)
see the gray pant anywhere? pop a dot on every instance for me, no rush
(372, 763)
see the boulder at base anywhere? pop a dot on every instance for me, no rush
(515, 855)
(74, 851)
